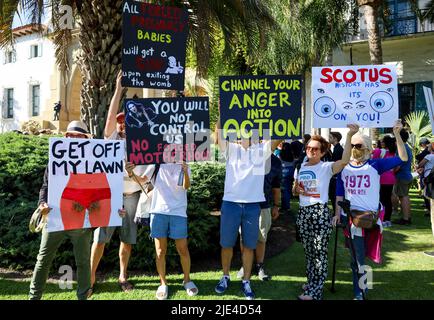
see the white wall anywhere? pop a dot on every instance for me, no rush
(24, 73)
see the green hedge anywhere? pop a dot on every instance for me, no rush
(22, 163)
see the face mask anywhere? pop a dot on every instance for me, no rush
(359, 154)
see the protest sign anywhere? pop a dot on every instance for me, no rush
(85, 183)
(154, 41)
(429, 105)
(266, 107)
(365, 95)
(167, 130)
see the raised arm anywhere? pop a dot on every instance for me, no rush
(220, 141)
(402, 151)
(346, 156)
(110, 124)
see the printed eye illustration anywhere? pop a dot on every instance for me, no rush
(390, 90)
(324, 107)
(321, 90)
(381, 101)
(347, 105)
(361, 104)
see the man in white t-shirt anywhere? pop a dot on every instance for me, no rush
(246, 164)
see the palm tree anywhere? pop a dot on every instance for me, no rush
(420, 127)
(99, 36)
(429, 11)
(371, 8)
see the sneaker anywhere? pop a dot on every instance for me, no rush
(429, 253)
(222, 285)
(387, 224)
(403, 222)
(247, 290)
(240, 273)
(262, 275)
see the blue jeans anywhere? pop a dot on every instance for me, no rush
(359, 248)
(286, 185)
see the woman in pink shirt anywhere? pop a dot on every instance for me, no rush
(387, 179)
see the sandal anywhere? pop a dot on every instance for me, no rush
(304, 297)
(191, 288)
(126, 286)
(162, 292)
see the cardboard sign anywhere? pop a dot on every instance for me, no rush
(154, 41)
(429, 105)
(167, 130)
(85, 183)
(261, 106)
(364, 95)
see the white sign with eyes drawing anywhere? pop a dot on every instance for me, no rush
(365, 95)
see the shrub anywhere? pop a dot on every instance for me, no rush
(22, 163)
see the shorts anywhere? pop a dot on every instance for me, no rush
(402, 187)
(264, 225)
(128, 232)
(168, 226)
(235, 215)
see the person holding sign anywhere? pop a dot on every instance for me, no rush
(243, 193)
(169, 219)
(115, 130)
(314, 220)
(50, 242)
(359, 181)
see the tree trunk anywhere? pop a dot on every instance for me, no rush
(374, 39)
(100, 39)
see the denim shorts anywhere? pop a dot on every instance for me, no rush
(235, 215)
(168, 226)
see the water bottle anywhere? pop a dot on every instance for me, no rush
(181, 178)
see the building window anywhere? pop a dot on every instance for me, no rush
(9, 103)
(35, 100)
(10, 56)
(35, 51)
(402, 19)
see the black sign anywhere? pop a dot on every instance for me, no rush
(167, 130)
(154, 40)
(261, 106)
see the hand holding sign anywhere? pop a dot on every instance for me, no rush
(397, 128)
(354, 128)
(119, 86)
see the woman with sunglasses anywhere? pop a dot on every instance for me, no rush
(359, 181)
(314, 220)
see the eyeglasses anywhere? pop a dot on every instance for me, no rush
(357, 146)
(313, 149)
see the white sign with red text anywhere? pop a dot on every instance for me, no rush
(365, 95)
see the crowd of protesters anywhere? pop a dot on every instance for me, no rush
(314, 170)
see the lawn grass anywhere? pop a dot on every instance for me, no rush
(405, 273)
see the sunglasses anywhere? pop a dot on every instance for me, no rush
(120, 120)
(313, 149)
(357, 146)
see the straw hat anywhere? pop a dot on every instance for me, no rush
(78, 127)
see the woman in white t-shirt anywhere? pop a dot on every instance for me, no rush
(169, 219)
(314, 220)
(359, 182)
